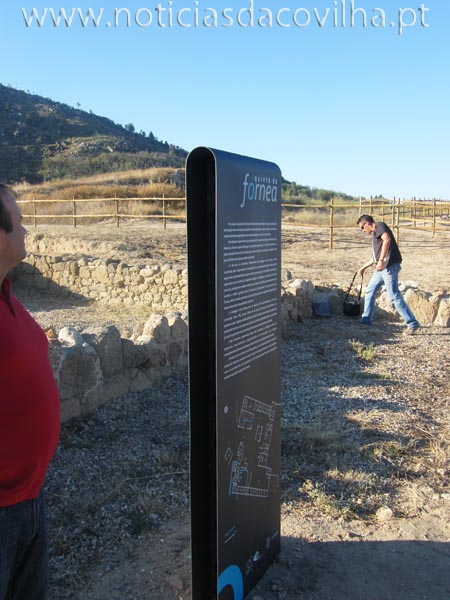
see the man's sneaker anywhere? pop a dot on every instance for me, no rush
(411, 330)
(364, 321)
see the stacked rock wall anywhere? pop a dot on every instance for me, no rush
(96, 365)
(158, 287)
(163, 288)
(298, 297)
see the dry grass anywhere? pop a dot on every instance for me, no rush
(349, 468)
(304, 215)
(348, 464)
(165, 182)
(326, 454)
(363, 351)
(60, 194)
(135, 183)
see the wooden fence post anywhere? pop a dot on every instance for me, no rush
(164, 212)
(116, 207)
(33, 204)
(434, 217)
(74, 212)
(330, 243)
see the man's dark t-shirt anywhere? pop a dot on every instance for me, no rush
(394, 255)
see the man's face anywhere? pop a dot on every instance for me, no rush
(366, 227)
(12, 245)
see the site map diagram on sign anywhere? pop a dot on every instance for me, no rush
(256, 421)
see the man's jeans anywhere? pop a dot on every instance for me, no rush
(24, 551)
(389, 277)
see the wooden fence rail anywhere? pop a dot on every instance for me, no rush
(398, 214)
(430, 216)
(70, 209)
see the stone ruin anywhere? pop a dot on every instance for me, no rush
(297, 298)
(97, 364)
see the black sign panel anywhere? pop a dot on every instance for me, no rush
(234, 209)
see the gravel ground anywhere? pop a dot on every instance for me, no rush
(365, 456)
(116, 476)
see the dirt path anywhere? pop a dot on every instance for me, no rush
(320, 560)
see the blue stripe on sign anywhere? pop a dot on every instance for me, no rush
(232, 576)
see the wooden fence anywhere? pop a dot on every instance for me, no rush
(430, 216)
(423, 215)
(114, 207)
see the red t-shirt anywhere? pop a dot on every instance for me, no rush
(29, 403)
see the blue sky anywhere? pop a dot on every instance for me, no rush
(362, 110)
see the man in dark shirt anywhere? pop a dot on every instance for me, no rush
(387, 258)
(29, 426)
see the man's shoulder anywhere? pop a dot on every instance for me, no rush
(381, 227)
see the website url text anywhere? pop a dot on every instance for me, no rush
(341, 14)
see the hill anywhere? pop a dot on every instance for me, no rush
(41, 140)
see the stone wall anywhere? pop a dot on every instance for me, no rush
(96, 365)
(298, 296)
(163, 288)
(160, 288)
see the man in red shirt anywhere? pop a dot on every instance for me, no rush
(29, 425)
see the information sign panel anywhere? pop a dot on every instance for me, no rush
(234, 232)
